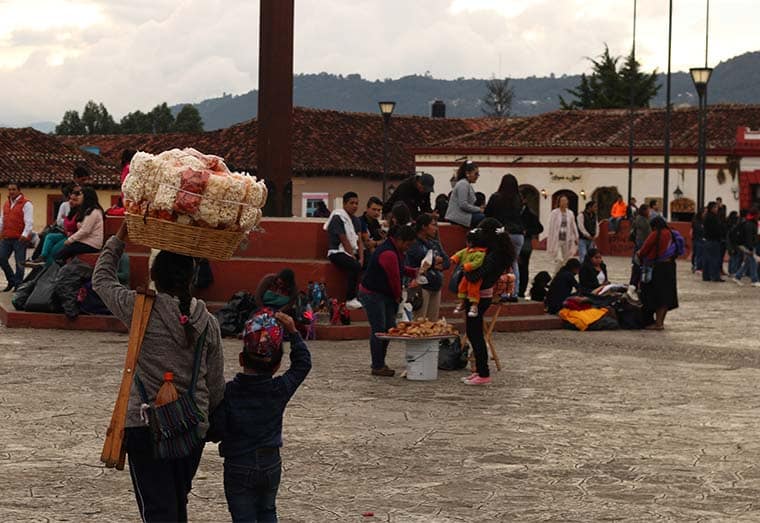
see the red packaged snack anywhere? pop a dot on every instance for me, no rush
(192, 186)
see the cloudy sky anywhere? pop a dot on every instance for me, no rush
(133, 54)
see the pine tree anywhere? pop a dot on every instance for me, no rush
(498, 99)
(188, 121)
(136, 122)
(610, 88)
(161, 118)
(97, 120)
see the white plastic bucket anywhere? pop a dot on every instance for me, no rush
(422, 360)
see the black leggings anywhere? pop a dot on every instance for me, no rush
(476, 337)
(71, 250)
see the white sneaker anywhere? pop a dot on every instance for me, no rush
(756, 284)
(738, 282)
(354, 304)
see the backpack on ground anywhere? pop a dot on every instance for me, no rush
(451, 354)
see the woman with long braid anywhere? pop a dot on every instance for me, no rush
(176, 323)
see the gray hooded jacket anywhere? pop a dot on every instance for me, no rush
(165, 346)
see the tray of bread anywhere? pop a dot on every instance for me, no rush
(422, 329)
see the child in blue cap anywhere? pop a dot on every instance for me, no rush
(249, 421)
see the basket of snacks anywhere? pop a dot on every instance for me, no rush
(190, 203)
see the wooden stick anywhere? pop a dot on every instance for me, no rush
(489, 335)
(113, 454)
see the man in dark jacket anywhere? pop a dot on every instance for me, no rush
(747, 248)
(415, 193)
(714, 234)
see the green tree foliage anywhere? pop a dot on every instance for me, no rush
(498, 99)
(97, 119)
(136, 122)
(71, 124)
(162, 119)
(188, 120)
(610, 88)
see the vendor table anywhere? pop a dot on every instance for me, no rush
(421, 354)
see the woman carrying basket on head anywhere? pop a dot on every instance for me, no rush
(179, 324)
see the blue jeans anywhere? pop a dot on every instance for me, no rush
(735, 260)
(251, 483)
(614, 224)
(583, 246)
(748, 267)
(477, 218)
(711, 262)
(381, 313)
(697, 255)
(18, 249)
(517, 241)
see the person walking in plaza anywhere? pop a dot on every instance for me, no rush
(588, 229)
(462, 209)
(506, 206)
(533, 228)
(714, 233)
(500, 253)
(562, 237)
(640, 229)
(617, 214)
(248, 423)
(427, 240)
(179, 325)
(659, 292)
(415, 193)
(746, 246)
(16, 227)
(381, 288)
(345, 249)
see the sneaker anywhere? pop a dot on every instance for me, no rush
(458, 309)
(354, 304)
(756, 283)
(473, 312)
(477, 380)
(383, 371)
(737, 281)
(470, 377)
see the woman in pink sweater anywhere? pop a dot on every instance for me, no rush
(88, 237)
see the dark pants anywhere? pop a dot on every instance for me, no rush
(697, 254)
(381, 313)
(73, 249)
(711, 261)
(476, 337)
(351, 267)
(161, 485)
(523, 261)
(18, 249)
(251, 483)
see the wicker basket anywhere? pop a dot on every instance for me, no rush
(190, 240)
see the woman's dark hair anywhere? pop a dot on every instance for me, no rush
(732, 219)
(572, 265)
(173, 274)
(658, 223)
(73, 210)
(711, 206)
(498, 240)
(593, 251)
(288, 277)
(89, 203)
(404, 233)
(400, 214)
(422, 221)
(467, 167)
(589, 205)
(508, 188)
(480, 199)
(643, 208)
(126, 156)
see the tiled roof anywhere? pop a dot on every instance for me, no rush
(33, 158)
(324, 142)
(609, 128)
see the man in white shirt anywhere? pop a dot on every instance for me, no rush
(16, 224)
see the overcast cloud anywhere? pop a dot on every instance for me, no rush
(57, 54)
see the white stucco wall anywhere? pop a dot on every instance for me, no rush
(647, 181)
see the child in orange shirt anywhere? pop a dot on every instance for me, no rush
(471, 258)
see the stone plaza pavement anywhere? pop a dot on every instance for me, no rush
(623, 425)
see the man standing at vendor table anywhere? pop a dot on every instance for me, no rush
(345, 247)
(16, 224)
(415, 193)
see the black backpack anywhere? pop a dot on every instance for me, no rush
(451, 354)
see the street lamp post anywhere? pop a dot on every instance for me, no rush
(700, 76)
(386, 109)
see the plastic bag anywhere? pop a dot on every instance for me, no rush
(426, 263)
